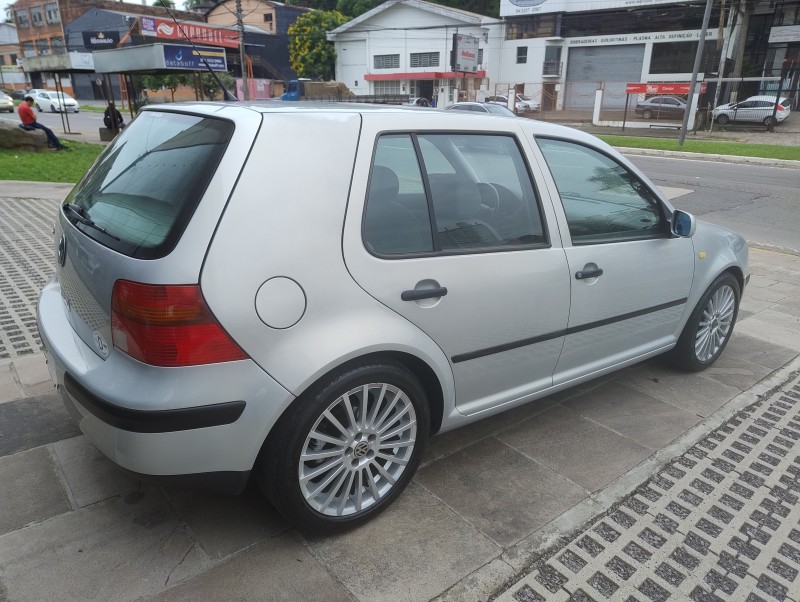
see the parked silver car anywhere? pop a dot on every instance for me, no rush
(307, 293)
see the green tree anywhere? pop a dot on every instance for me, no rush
(210, 87)
(164, 3)
(190, 4)
(170, 81)
(310, 53)
(354, 8)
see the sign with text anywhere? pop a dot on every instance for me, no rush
(182, 30)
(100, 39)
(465, 53)
(512, 8)
(784, 34)
(681, 88)
(188, 58)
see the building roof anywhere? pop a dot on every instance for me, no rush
(437, 9)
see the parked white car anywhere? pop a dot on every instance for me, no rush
(522, 103)
(407, 273)
(55, 102)
(756, 109)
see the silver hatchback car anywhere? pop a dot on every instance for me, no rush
(306, 293)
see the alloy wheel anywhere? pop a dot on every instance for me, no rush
(357, 449)
(716, 323)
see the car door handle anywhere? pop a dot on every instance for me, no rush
(588, 272)
(423, 293)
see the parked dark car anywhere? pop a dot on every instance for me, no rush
(660, 107)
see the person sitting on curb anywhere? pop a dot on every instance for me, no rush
(107, 117)
(28, 118)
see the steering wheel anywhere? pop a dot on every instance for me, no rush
(490, 199)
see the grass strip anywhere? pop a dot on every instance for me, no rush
(738, 149)
(49, 166)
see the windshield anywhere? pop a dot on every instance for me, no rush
(145, 186)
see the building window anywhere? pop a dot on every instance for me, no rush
(36, 16)
(544, 26)
(27, 49)
(386, 61)
(42, 47)
(390, 87)
(23, 21)
(522, 54)
(51, 10)
(58, 45)
(480, 57)
(268, 21)
(678, 57)
(424, 59)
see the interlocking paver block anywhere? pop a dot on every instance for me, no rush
(621, 568)
(526, 594)
(603, 584)
(653, 591)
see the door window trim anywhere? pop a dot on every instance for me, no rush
(437, 250)
(664, 214)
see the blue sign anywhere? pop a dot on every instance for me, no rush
(189, 58)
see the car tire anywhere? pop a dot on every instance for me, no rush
(723, 119)
(647, 114)
(53, 109)
(710, 326)
(363, 476)
(770, 121)
(38, 107)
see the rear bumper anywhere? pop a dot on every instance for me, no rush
(198, 422)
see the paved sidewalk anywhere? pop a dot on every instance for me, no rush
(491, 500)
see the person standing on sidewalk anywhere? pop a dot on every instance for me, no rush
(28, 118)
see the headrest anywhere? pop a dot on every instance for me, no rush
(384, 183)
(454, 198)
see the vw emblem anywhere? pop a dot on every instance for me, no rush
(361, 450)
(100, 344)
(62, 251)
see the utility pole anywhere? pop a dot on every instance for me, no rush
(242, 55)
(693, 84)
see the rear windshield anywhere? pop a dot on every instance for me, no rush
(145, 186)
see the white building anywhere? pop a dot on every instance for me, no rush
(404, 47)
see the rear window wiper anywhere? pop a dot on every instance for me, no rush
(80, 216)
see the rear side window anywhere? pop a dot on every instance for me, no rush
(146, 185)
(450, 193)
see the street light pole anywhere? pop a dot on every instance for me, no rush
(243, 58)
(693, 84)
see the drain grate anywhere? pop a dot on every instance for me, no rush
(26, 263)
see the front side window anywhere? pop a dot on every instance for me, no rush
(146, 185)
(450, 193)
(603, 201)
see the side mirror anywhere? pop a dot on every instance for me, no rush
(683, 224)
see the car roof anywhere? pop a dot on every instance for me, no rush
(764, 97)
(435, 118)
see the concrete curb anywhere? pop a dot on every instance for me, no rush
(646, 152)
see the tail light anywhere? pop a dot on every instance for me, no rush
(168, 325)
(780, 107)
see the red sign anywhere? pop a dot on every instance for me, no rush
(661, 88)
(169, 30)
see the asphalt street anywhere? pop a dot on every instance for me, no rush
(648, 484)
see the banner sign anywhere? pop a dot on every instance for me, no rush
(100, 39)
(465, 53)
(513, 8)
(661, 88)
(784, 34)
(188, 58)
(197, 33)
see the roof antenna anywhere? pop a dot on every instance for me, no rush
(226, 94)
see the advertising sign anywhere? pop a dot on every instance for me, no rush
(784, 34)
(188, 58)
(662, 88)
(197, 33)
(465, 53)
(100, 39)
(513, 8)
